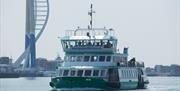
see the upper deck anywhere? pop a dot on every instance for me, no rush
(99, 40)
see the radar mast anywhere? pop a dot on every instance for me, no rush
(91, 15)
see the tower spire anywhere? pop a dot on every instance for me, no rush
(90, 13)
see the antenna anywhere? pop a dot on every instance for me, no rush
(90, 13)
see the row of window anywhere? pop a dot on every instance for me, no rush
(81, 73)
(85, 43)
(129, 73)
(88, 58)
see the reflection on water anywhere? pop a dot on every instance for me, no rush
(42, 84)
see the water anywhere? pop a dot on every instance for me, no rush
(42, 84)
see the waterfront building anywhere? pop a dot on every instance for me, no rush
(5, 60)
(175, 70)
(160, 70)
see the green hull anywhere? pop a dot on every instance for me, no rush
(78, 82)
(88, 82)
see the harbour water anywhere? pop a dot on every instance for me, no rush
(42, 84)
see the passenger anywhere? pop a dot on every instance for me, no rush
(71, 46)
(83, 44)
(97, 44)
(79, 43)
(94, 43)
(89, 43)
(105, 46)
(102, 43)
(109, 45)
(66, 45)
(76, 43)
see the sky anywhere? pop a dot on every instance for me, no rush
(150, 28)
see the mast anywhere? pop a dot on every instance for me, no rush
(90, 13)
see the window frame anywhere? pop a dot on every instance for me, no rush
(67, 73)
(78, 73)
(72, 58)
(103, 58)
(81, 58)
(92, 57)
(85, 58)
(103, 71)
(90, 73)
(109, 59)
(98, 71)
(74, 72)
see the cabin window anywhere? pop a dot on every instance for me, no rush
(86, 58)
(89, 43)
(79, 43)
(97, 43)
(102, 73)
(101, 58)
(72, 44)
(72, 58)
(108, 59)
(73, 72)
(65, 44)
(65, 72)
(108, 44)
(76, 43)
(84, 43)
(94, 58)
(79, 58)
(80, 73)
(66, 58)
(103, 42)
(95, 72)
(87, 73)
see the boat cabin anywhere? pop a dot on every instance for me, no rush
(89, 40)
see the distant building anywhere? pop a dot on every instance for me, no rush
(47, 65)
(175, 70)
(41, 64)
(51, 65)
(150, 71)
(5, 60)
(160, 70)
(6, 65)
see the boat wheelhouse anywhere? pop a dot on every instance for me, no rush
(93, 62)
(95, 40)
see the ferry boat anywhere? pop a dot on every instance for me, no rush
(93, 62)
